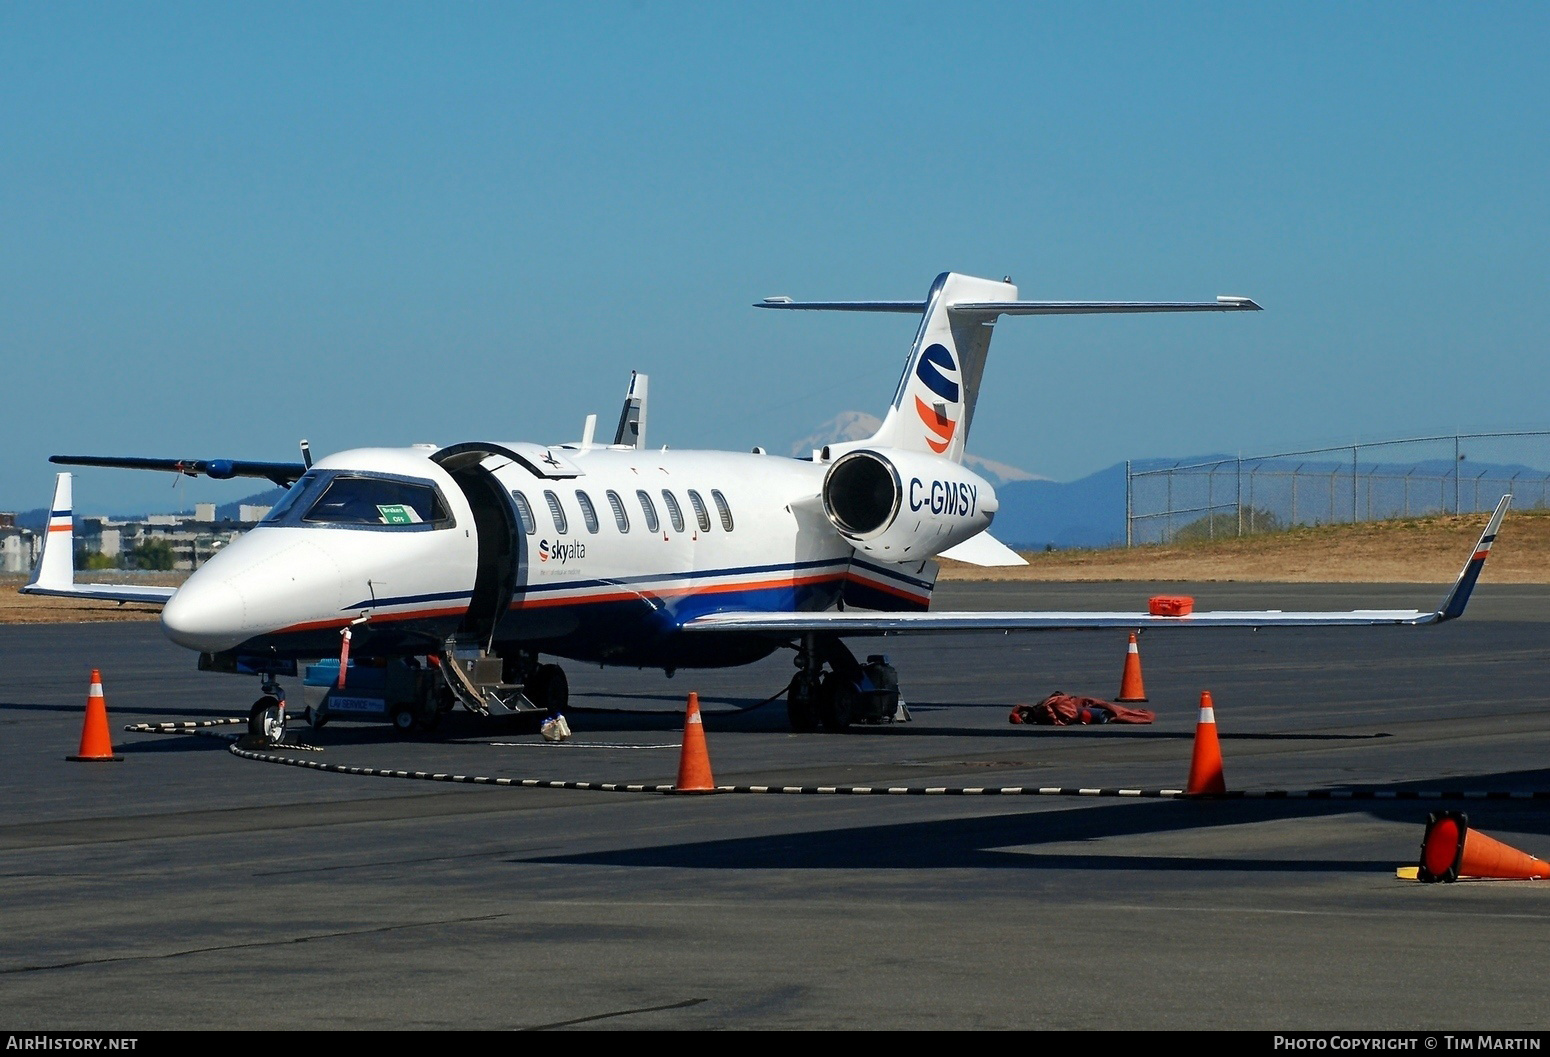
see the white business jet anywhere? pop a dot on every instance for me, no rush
(482, 558)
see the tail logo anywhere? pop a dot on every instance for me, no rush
(938, 373)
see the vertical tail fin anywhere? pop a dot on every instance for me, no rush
(56, 565)
(934, 404)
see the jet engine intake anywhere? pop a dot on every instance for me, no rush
(900, 506)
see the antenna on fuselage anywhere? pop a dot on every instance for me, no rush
(306, 454)
(632, 417)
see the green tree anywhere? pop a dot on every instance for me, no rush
(97, 560)
(152, 554)
(1225, 525)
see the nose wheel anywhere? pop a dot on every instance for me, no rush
(266, 719)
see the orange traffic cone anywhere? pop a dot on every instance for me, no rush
(1205, 766)
(1130, 688)
(95, 742)
(1450, 850)
(694, 760)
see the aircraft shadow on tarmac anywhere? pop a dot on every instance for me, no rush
(150, 714)
(1010, 841)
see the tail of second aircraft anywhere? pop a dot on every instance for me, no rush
(56, 563)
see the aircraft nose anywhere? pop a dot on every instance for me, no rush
(205, 615)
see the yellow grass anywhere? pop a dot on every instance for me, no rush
(1410, 550)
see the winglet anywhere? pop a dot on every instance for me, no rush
(1458, 598)
(56, 563)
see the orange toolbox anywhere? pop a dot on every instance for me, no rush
(1171, 605)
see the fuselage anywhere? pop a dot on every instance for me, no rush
(595, 554)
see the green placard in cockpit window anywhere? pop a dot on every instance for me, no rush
(397, 514)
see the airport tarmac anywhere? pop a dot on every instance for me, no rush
(185, 887)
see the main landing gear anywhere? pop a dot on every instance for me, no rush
(848, 692)
(544, 685)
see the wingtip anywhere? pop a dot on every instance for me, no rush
(1453, 606)
(1242, 304)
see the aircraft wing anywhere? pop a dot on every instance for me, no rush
(854, 622)
(281, 473)
(55, 574)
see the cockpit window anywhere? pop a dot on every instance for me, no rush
(309, 484)
(350, 500)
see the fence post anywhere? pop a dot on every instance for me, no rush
(1354, 510)
(1211, 504)
(1239, 501)
(1456, 457)
(1128, 507)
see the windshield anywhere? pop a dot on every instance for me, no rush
(361, 501)
(375, 501)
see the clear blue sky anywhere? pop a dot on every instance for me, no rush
(225, 227)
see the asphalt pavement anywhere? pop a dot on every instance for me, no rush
(187, 887)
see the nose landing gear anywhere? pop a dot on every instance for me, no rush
(266, 719)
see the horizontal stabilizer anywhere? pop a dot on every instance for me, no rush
(1083, 308)
(984, 550)
(1019, 308)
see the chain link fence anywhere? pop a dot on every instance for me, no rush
(1357, 482)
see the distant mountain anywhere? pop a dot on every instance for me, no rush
(1090, 512)
(858, 425)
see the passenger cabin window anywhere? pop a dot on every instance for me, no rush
(700, 513)
(351, 500)
(588, 512)
(560, 524)
(525, 512)
(646, 507)
(620, 517)
(674, 512)
(722, 509)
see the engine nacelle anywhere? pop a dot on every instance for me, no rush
(901, 506)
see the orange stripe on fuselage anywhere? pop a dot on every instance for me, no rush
(339, 622)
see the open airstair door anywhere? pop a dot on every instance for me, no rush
(501, 540)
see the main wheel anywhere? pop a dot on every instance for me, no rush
(266, 719)
(801, 706)
(837, 702)
(549, 689)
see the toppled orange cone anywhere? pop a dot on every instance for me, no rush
(96, 744)
(1450, 850)
(1205, 765)
(694, 760)
(1131, 689)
